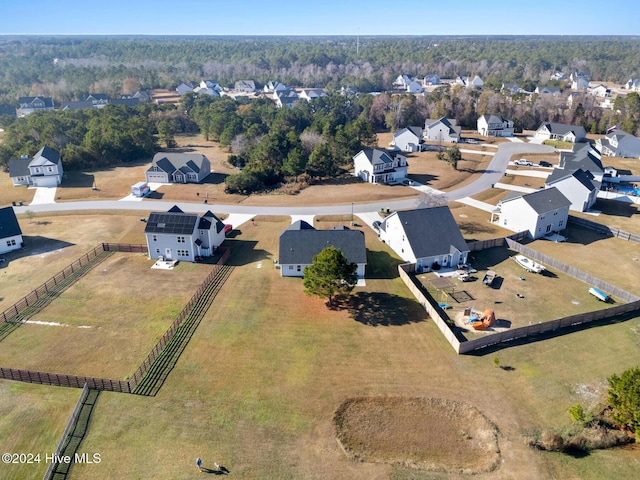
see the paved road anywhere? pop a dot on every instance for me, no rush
(492, 175)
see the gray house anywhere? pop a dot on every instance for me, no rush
(301, 242)
(178, 168)
(10, 233)
(43, 170)
(175, 235)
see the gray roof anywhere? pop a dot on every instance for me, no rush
(546, 200)
(170, 162)
(378, 156)
(584, 177)
(301, 242)
(431, 231)
(19, 167)
(9, 226)
(45, 155)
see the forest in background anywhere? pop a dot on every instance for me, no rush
(67, 68)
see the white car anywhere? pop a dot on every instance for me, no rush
(523, 162)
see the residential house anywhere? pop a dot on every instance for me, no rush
(441, 130)
(428, 237)
(301, 242)
(184, 88)
(578, 186)
(309, 94)
(402, 81)
(408, 139)
(29, 105)
(561, 131)
(414, 87)
(286, 98)
(432, 79)
(495, 126)
(271, 87)
(511, 88)
(246, 86)
(43, 170)
(555, 91)
(468, 82)
(584, 157)
(633, 84)
(10, 233)
(175, 235)
(178, 168)
(579, 81)
(599, 91)
(539, 213)
(211, 85)
(618, 143)
(374, 165)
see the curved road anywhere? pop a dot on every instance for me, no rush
(492, 175)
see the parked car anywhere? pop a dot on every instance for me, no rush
(376, 225)
(227, 229)
(523, 162)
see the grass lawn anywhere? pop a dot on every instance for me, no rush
(99, 327)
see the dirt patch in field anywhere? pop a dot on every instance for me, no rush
(430, 434)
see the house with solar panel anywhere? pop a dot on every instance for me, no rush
(176, 235)
(10, 232)
(428, 237)
(301, 242)
(178, 168)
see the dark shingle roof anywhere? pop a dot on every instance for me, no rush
(9, 226)
(546, 200)
(431, 231)
(298, 245)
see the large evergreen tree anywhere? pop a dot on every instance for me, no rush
(330, 274)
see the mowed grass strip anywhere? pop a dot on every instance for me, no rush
(107, 322)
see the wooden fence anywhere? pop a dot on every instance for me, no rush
(462, 345)
(142, 369)
(123, 386)
(70, 424)
(604, 229)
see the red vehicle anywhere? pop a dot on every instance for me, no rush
(227, 229)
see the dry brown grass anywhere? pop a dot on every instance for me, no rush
(426, 433)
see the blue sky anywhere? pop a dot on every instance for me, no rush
(328, 17)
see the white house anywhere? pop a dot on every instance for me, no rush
(560, 131)
(309, 94)
(43, 170)
(579, 186)
(301, 242)
(374, 165)
(178, 168)
(579, 81)
(441, 130)
(10, 233)
(408, 139)
(495, 126)
(618, 143)
(428, 237)
(175, 235)
(29, 105)
(539, 213)
(633, 84)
